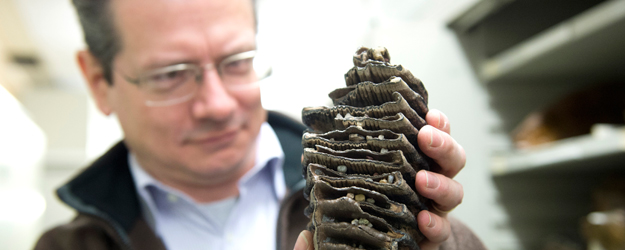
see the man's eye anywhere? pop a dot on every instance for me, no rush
(169, 80)
(239, 67)
(168, 76)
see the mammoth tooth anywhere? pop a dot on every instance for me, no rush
(334, 205)
(369, 93)
(397, 123)
(364, 55)
(361, 158)
(320, 118)
(396, 190)
(361, 164)
(374, 65)
(376, 140)
(392, 157)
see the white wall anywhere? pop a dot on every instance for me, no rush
(54, 29)
(22, 149)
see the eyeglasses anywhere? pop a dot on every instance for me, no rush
(178, 83)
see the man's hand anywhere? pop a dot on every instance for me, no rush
(435, 141)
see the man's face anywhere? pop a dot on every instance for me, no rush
(210, 137)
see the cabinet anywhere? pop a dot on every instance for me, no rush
(528, 54)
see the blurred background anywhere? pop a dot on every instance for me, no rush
(534, 91)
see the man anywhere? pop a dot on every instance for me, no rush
(199, 167)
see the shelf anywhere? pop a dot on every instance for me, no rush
(528, 54)
(547, 189)
(471, 17)
(602, 149)
(589, 44)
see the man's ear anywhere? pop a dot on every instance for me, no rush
(93, 72)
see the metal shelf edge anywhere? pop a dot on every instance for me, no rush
(577, 150)
(585, 24)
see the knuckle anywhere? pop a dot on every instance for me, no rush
(439, 233)
(444, 235)
(449, 144)
(451, 194)
(444, 186)
(436, 232)
(445, 124)
(458, 194)
(446, 232)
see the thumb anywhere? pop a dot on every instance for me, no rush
(304, 241)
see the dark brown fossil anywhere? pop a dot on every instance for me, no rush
(361, 158)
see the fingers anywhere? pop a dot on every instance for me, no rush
(435, 228)
(443, 149)
(437, 119)
(304, 241)
(435, 141)
(443, 191)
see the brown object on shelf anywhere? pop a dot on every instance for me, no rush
(606, 229)
(573, 115)
(610, 195)
(606, 226)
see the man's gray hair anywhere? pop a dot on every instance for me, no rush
(98, 27)
(96, 19)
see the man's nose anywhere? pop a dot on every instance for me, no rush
(213, 101)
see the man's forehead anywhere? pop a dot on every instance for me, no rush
(173, 26)
(166, 9)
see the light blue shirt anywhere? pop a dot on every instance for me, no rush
(248, 221)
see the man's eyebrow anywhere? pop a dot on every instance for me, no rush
(165, 63)
(162, 64)
(236, 51)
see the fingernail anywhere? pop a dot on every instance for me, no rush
(440, 119)
(436, 140)
(301, 243)
(432, 222)
(431, 180)
(445, 119)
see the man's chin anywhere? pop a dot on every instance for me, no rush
(217, 167)
(226, 163)
(212, 175)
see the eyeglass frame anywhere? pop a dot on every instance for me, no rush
(199, 75)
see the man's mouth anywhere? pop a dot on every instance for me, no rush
(214, 138)
(214, 134)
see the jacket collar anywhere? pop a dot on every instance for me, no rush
(289, 134)
(106, 190)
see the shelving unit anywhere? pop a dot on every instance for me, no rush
(595, 152)
(564, 48)
(528, 54)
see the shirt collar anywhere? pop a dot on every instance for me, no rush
(269, 154)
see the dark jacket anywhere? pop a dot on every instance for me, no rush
(109, 213)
